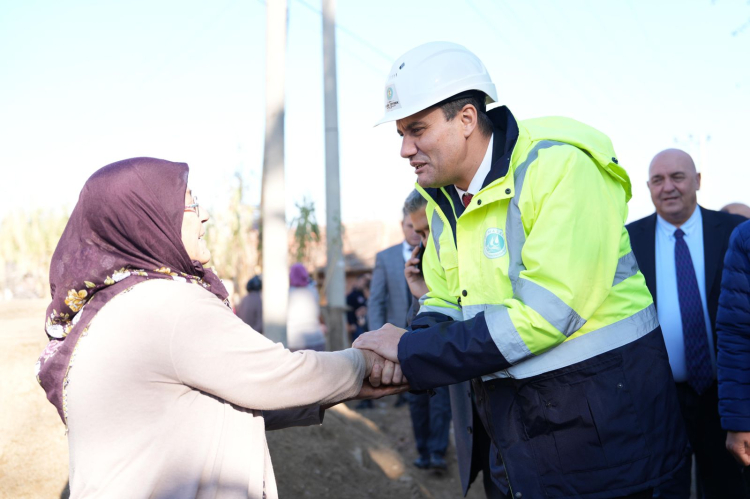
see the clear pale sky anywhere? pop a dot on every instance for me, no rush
(85, 83)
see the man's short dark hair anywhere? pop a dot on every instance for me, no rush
(414, 201)
(452, 106)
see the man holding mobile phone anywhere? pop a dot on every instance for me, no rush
(430, 410)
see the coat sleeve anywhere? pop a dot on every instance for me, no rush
(378, 301)
(212, 350)
(733, 333)
(298, 416)
(570, 257)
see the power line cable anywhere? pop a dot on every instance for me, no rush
(355, 37)
(493, 29)
(349, 32)
(552, 62)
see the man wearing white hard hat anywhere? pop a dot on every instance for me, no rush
(535, 296)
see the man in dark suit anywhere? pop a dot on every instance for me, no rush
(680, 251)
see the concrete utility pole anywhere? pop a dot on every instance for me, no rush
(335, 280)
(275, 244)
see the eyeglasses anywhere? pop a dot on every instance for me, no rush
(195, 207)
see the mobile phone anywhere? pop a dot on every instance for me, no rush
(420, 255)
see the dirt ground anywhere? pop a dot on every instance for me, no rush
(353, 454)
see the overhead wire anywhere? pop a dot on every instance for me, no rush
(350, 33)
(522, 26)
(353, 36)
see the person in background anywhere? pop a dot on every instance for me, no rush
(430, 410)
(733, 360)
(303, 330)
(251, 306)
(356, 303)
(740, 209)
(390, 298)
(680, 251)
(356, 317)
(163, 390)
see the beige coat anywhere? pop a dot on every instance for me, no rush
(169, 396)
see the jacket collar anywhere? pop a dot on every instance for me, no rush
(505, 135)
(505, 130)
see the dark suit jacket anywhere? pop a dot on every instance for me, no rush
(390, 297)
(717, 227)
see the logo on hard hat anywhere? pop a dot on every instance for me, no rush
(391, 98)
(494, 243)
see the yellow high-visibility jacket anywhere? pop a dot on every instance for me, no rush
(535, 296)
(541, 251)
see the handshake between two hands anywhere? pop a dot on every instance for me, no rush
(383, 375)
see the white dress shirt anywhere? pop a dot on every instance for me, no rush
(484, 168)
(667, 299)
(407, 249)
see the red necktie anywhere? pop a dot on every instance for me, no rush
(466, 199)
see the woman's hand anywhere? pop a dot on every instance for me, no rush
(382, 371)
(370, 392)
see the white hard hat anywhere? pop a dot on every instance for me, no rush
(431, 73)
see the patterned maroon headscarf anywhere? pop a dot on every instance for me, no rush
(125, 229)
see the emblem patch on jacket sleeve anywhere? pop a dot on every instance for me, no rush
(494, 243)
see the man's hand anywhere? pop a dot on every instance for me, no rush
(381, 371)
(383, 341)
(738, 443)
(414, 277)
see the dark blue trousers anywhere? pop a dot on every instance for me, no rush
(431, 419)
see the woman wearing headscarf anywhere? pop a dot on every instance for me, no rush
(251, 306)
(303, 329)
(165, 392)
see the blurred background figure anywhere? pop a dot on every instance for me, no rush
(680, 251)
(430, 411)
(356, 303)
(356, 316)
(251, 306)
(740, 209)
(390, 298)
(303, 328)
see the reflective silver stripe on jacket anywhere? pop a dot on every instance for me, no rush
(548, 305)
(436, 229)
(454, 314)
(584, 347)
(502, 330)
(626, 267)
(514, 232)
